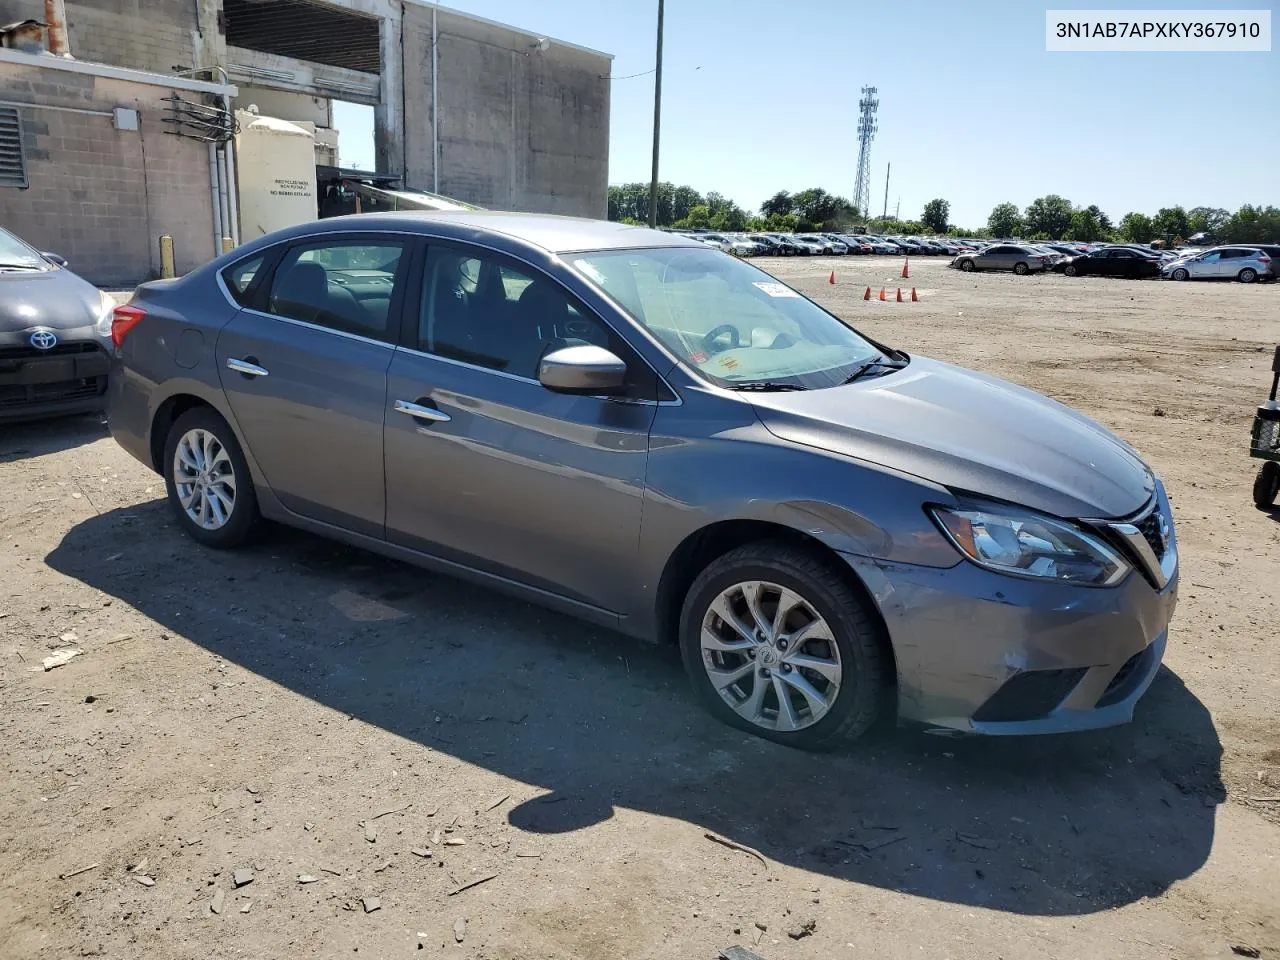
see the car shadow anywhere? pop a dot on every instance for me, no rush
(1046, 826)
(35, 438)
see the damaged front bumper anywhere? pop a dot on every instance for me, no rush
(979, 652)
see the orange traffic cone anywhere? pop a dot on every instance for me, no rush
(914, 298)
(882, 296)
(905, 272)
(899, 294)
(867, 295)
(832, 278)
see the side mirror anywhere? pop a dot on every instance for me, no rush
(55, 259)
(585, 369)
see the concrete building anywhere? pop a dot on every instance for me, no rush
(490, 114)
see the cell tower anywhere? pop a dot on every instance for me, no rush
(867, 128)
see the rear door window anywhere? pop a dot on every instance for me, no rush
(347, 285)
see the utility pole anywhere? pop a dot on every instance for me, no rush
(887, 168)
(657, 125)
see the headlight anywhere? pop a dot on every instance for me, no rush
(1030, 545)
(106, 309)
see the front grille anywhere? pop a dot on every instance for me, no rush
(1032, 695)
(64, 391)
(1149, 527)
(1129, 676)
(58, 350)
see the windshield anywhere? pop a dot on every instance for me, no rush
(731, 322)
(15, 253)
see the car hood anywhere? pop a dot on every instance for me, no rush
(57, 299)
(971, 433)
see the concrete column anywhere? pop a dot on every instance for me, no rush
(210, 47)
(388, 116)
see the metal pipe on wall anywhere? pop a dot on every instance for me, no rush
(216, 204)
(223, 198)
(55, 15)
(233, 190)
(435, 105)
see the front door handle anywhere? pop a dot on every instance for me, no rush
(246, 367)
(419, 412)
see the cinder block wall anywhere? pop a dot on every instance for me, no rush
(102, 197)
(140, 34)
(519, 129)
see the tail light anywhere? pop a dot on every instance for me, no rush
(123, 320)
(1263, 257)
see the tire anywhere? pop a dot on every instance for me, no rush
(1182, 273)
(243, 517)
(863, 661)
(966, 265)
(1070, 270)
(1247, 275)
(1266, 485)
(1021, 269)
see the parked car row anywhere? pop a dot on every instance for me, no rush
(1244, 262)
(828, 244)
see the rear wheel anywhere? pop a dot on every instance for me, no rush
(208, 480)
(1181, 274)
(1266, 485)
(1021, 269)
(1247, 275)
(777, 643)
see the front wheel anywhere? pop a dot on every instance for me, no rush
(1266, 485)
(1181, 274)
(966, 265)
(208, 480)
(1247, 275)
(1070, 270)
(778, 644)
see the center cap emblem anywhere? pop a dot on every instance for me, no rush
(768, 657)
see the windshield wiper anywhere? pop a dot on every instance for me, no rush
(765, 385)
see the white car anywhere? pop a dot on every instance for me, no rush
(739, 247)
(815, 246)
(1245, 264)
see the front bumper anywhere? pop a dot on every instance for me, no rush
(980, 652)
(70, 378)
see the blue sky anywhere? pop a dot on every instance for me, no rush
(762, 96)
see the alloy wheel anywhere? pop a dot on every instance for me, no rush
(205, 479)
(1248, 275)
(771, 656)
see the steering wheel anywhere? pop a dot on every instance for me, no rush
(709, 341)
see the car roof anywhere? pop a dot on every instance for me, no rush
(555, 234)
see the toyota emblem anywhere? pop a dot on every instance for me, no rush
(44, 339)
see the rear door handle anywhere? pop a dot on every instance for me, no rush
(419, 412)
(246, 368)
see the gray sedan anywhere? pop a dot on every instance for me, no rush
(1004, 256)
(655, 436)
(55, 331)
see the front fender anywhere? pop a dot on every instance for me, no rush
(701, 474)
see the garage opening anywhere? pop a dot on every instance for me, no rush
(305, 31)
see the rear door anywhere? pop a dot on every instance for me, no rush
(488, 468)
(304, 369)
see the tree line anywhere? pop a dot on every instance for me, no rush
(1049, 217)
(1055, 218)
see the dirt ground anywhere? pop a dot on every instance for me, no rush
(345, 727)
